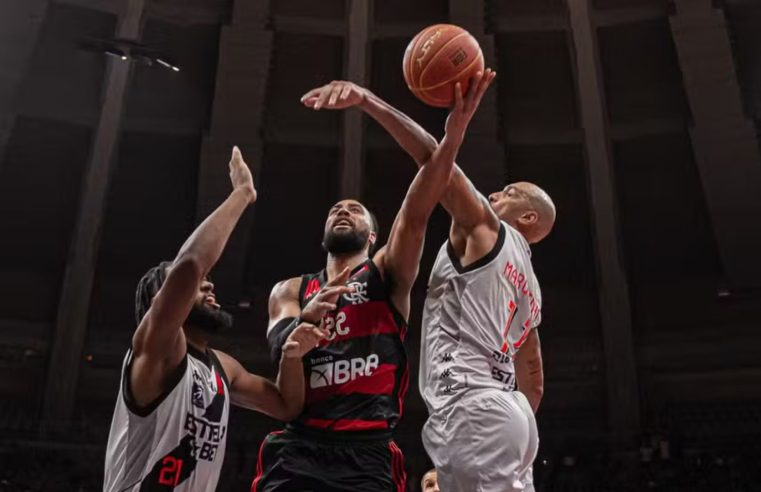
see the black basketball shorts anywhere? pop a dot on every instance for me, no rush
(294, 462)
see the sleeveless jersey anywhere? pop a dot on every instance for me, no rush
(177, 443)
(476, 318)
(357, 377)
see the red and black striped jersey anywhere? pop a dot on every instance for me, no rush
(357, 377)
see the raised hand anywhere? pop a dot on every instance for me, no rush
(325, 300)
(465, 107)
(338, 94)
(303, 339)
(240, 174)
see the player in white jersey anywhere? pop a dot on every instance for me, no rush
(479, 324)
(170, 422)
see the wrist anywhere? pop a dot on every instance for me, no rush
(290, 357)
(453, 138)
(302, 319)
(246, 192)
(364, 102)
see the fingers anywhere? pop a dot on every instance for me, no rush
(324, 95)
(335, 93)
(342, 277)
(345, 92)
(320, 333)
(236, 156)
(338, 290)
(341, 290)
(484, 84)
(486, 81)
(305, 337)
(458, 96)
(332, 295)
(339, 279)
(310, 102)
(475, 82)
(325, 306)
(313, 94)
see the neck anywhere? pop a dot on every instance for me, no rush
(195, 339)
(337, 263)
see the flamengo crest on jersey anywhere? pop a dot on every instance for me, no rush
(357, 377)
(476, 318)
(179, 442)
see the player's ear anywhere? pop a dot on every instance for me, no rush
(529, 218)
(372, 238)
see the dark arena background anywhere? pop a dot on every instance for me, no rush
(639, 117)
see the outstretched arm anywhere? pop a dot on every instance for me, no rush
(283, 399)
(158, 344)
(467, 207)
(400, 258)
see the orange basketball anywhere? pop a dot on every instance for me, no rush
(439, 57)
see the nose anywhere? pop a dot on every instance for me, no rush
(207, 286)
(492, 198)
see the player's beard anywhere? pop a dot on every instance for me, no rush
(344, 242)
(209, 319)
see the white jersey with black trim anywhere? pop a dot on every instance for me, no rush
(178, 442)
(476, 318)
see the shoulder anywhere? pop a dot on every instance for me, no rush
(286, 289)
(378, 258)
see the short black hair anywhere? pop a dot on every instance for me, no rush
(148, 287)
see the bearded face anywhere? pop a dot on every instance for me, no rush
(209, 319)
(206, 314)
(348, 228)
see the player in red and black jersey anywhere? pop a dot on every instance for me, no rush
(356, 379)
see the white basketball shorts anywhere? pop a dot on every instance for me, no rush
(485, 442)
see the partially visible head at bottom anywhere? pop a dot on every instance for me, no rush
(527, 208)
(206, 315)
(349, 229)
(430, 481)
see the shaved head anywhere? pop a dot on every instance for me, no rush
(527, 208)
(544, 206)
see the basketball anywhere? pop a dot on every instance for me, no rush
(436, 59)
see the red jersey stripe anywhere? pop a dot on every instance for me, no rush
(381, 382)
(347, 425)
(403, 386)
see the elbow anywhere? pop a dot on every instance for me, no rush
(539, 393)
(188, 265)
(534, 396)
